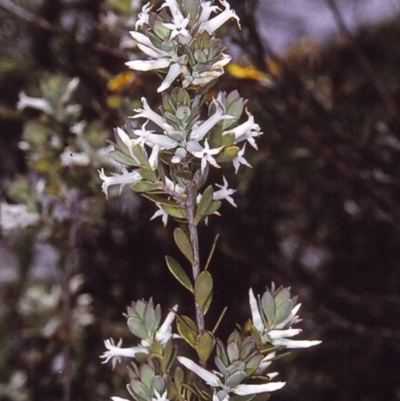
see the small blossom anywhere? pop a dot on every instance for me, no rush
(200, 130)
(224, 193)
(115, 352)
(164, 333)
(34, 103)
(206, 9)
(214, 23)
(160, 213)
(119, 179)
(239, 159)
(206, 155)
(174, 70)
(148, 113)
(246, 131)
(143, 17)
(276, 334)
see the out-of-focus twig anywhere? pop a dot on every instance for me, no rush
(42, 23)
(69, 265)
(364, 63)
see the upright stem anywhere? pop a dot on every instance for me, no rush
(194, 240)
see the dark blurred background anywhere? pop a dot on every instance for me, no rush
(319, 211)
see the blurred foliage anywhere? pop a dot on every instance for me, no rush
(318, 211)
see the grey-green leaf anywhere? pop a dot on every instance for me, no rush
(203, 287)
(183, 243)
(177, 271)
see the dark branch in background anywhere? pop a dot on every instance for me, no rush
(70, 260)
(249, 38)
(382, 90)
(43, 24)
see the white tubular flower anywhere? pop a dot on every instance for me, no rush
(200, 130)
(239, 159)
(34, 103)
(115, 352)
(179, 24)
(149, 114)
(118, 399)
(174, 70)
(213, 380)
(143, 17)
(224, 193)
(160, 213)
(246, 131)
(206, 10)
(214, 23)
(206, 155)
(119, 179)
(276, 334)
(164, 333)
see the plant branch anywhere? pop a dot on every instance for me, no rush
(194, 240)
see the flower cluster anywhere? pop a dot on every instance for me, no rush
(163, 158)
(167, 155)
(273, 316)
(239, 365)
(181, 39)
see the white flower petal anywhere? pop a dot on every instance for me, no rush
(246, 389)
(148, 65)
(210, 378)
(255, 313)
(283, 342)
(274, 334)
(173, 72)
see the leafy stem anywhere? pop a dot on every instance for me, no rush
(194, 240)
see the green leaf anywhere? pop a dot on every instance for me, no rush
(177, 271)
(148, 174)
(122, 158)
(145, 186)
(204, 204)
(268, 306)
(176, 211)
(205, 345)
(187, 329)
(203, 290)
(183, 243)
(228, 154)
(215, 205)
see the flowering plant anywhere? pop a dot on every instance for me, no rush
(167, 158)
